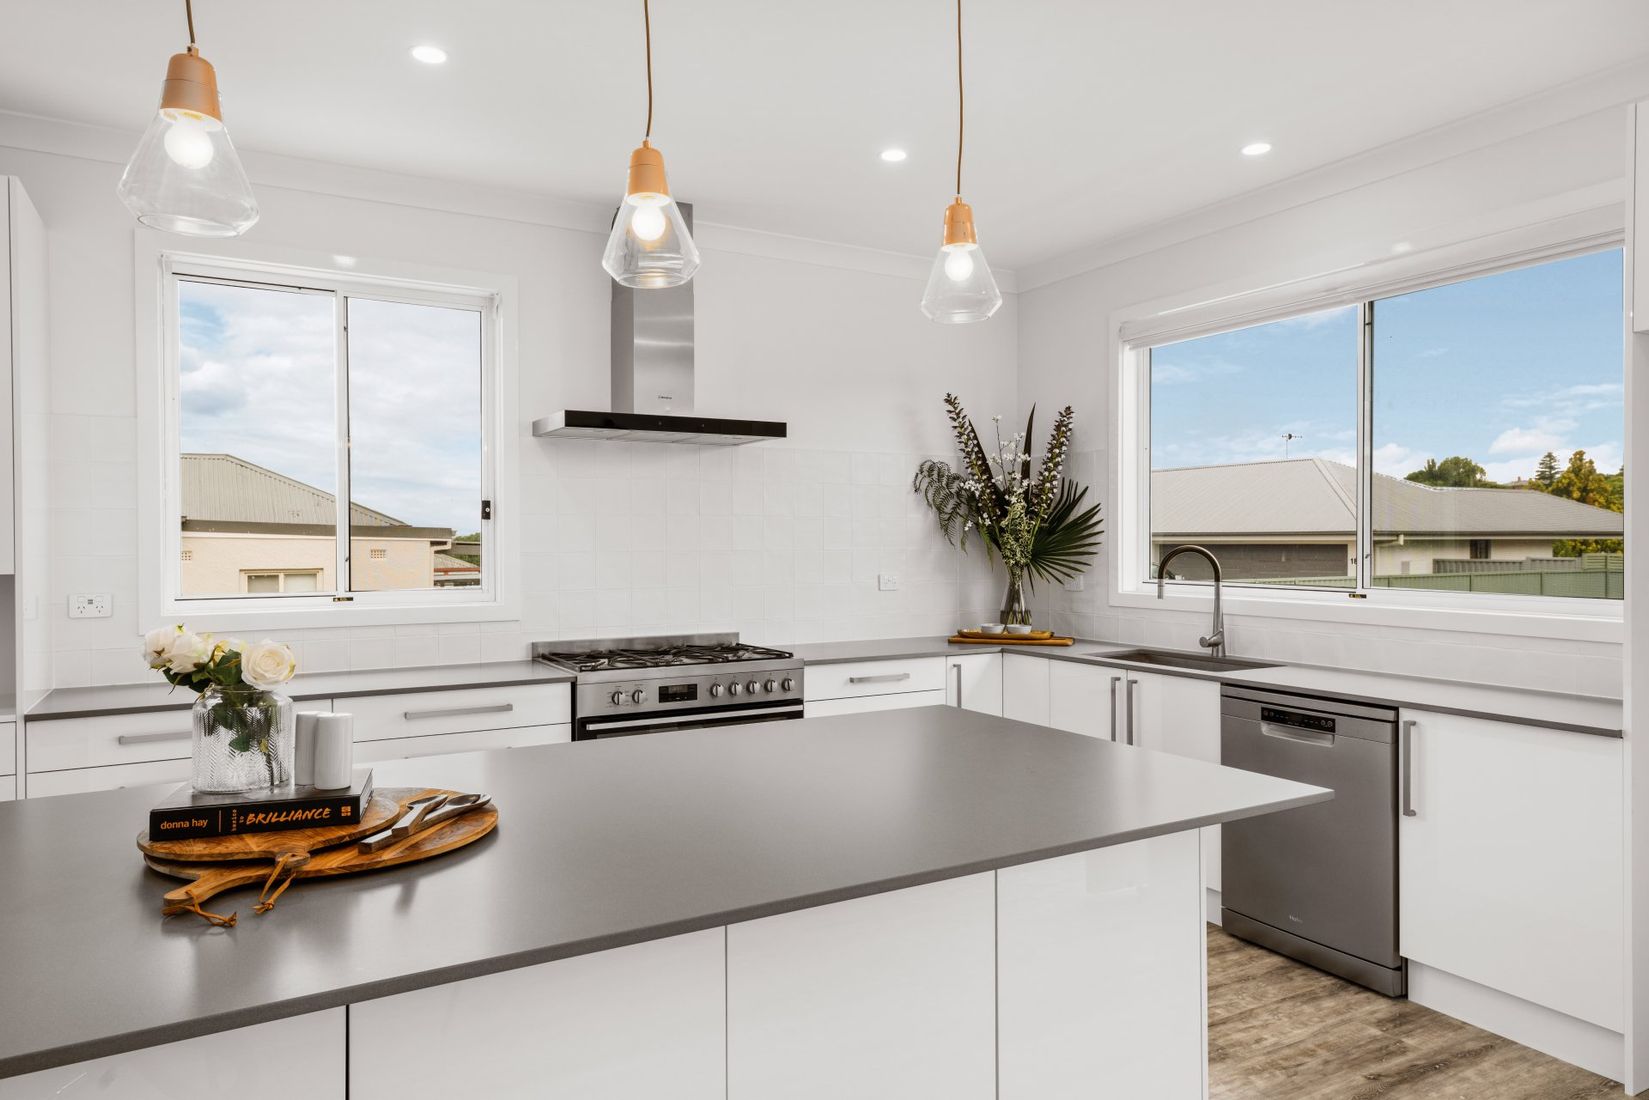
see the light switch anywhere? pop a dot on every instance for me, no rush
(95, 606)
(887, 582)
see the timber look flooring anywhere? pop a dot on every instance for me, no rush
(1279, 1030)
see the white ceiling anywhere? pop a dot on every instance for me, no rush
(1087, 118)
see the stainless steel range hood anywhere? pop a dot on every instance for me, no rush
(652, 335)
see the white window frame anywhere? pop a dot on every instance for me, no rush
(159, 264)
(1134, 331)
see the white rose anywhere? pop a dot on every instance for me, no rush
(187, 652)
(155, 643)
(267, 664)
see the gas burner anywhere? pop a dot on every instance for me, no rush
(643, 653)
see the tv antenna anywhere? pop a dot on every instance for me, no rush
(1289, 437)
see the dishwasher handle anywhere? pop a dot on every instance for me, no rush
(1298, 736)
(1406, 768)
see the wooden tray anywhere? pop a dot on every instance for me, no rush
(981, 635)
(976, 638)
(385, 806)
(211, 879)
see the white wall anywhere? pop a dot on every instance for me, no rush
(1424, 202)
(780, 541)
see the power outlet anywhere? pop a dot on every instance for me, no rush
(887, 582)
(1074, 584)
(96, 606)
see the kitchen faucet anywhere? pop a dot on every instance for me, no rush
(1215, 642)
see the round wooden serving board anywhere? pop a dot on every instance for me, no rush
(382, 810)
(209, 880)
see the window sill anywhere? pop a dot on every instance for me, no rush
(1506, 619)
(219, 619)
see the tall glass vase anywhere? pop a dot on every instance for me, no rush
(243, 740)
(1015, 612)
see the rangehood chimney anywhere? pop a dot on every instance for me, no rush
(653, 378)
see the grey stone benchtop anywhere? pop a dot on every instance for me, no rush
(1546, 709)
(157, 694)
(600, 844)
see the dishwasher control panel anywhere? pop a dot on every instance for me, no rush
(1320, 723)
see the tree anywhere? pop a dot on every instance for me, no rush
(1545, 474)
(1580, 480)
(1454, 472)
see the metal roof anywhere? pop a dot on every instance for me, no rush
(1313, 496)
(222, 490)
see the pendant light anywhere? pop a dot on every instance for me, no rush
(961, 287)
(649, 246)
(185, 177)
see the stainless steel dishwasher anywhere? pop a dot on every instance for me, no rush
(1317, 883)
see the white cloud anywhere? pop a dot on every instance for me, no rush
(1396, 459)
(1511, 469)
(1185, 373)
(1543, 436)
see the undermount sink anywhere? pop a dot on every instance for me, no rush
(1196, 662)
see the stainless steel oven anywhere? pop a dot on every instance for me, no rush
(591, 728)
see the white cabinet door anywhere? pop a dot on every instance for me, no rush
(1080, 698)
(648, 1020)
(113, 777)
(1025, 688)
(1100, 974)
(260, 1062)
(973, 681)
(1181, 715)
(1511, 868)
(456, 710)
(886, 997)
(8, 788)
(405, 748)
(857, 679)
(824, 708)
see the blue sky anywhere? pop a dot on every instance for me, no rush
(259, 381)
(1501, 369)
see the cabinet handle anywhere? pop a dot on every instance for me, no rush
(1406, 766)
(454, 712)
(1130, 707)
(885, 678)
(1115, 680)
(151, 738)
(957, 668)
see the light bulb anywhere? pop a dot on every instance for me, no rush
(649, 222)
(186, 141)
(958, 264)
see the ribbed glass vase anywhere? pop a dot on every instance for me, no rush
(243, 740)
(1015, 612)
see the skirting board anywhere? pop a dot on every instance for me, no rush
(1586, 1045)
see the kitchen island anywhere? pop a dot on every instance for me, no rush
(919, 902)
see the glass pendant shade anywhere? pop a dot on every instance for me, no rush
(961, 287)
(185, 176)
(650, 246)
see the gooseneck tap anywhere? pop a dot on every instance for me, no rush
(1215, 641)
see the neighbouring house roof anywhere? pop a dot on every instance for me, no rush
(1313, 496)
(446, 563)
(222, 492)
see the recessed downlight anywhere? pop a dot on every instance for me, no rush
(1256, 149)
(429, 55)
(894, 156)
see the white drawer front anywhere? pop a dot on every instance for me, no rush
(81, 780)
(420, 714)
(61, 743)
(405, 748)
(857, 679)
(8, 788)
(824, 708)
(8, 748)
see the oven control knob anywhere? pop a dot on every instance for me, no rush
(715, 691)
(788, 685)
(638, 696)
(734, 688)
(751, 687)
(770, 685)
(617, 699)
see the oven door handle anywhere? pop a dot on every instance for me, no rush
(597, 724)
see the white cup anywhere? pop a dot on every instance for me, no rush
(334, 750)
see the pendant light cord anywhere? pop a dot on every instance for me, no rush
(189, 14)
(961, 105)
(647, 30)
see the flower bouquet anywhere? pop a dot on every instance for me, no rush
(243, 727)
(1032, 520)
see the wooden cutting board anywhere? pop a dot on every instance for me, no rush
(207, 880)
(383, 808)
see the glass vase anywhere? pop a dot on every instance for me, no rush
(1015, 612)
(243, 740)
